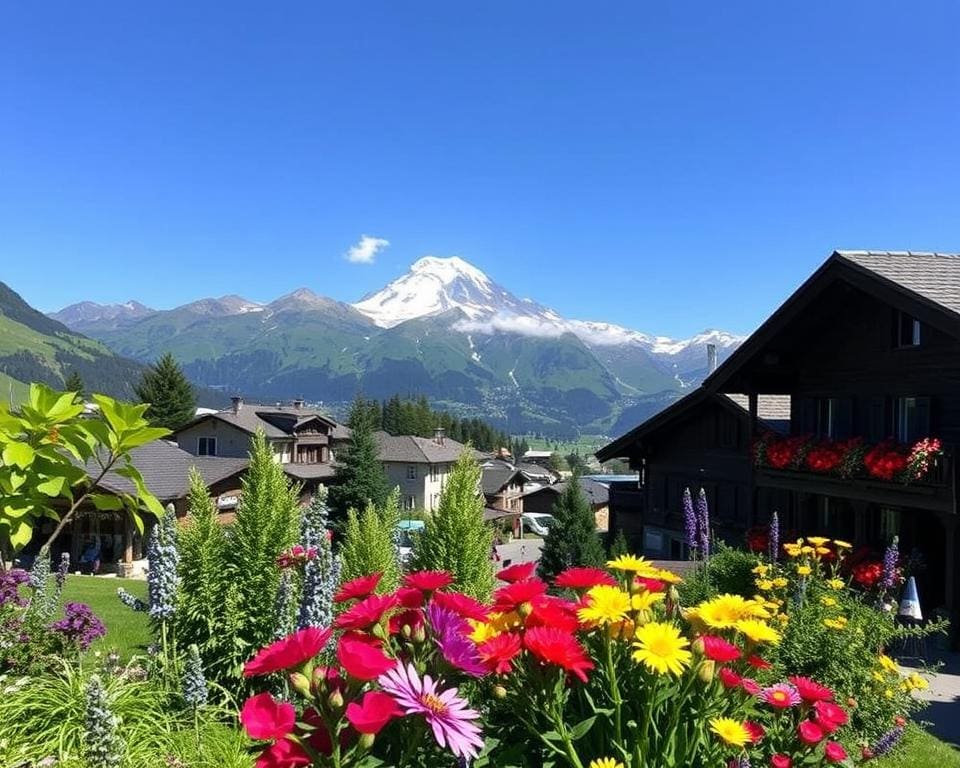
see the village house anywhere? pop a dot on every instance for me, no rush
(418, 466)
(867, 350)
(502, 485)
(542, 500)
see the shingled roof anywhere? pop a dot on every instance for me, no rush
(934, 276)
(276, 421)
(409, 449)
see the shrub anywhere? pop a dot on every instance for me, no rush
(727, 570)
(369, 543)
(573, 538)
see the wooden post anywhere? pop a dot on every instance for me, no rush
(127, 540)
(752, 402)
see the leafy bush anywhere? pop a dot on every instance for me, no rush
(369, 543)
(573, 538)
(728, 570)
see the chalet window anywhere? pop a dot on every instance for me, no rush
(206, 446)
(834, 417)
(410, 503)
(907, 330)
(411, 471)
(434, 472)
(912, 418)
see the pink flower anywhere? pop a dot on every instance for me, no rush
(810, 733)
(265, 718)
(729, 678)
(291, 651)
(367, 612)
(717, 649)
(447, 714)
(461, 604)
(498, 652)
(428, 581)
(834, 752)
(583, 578)
(829, 715)
(780, 696)
(781, 761)
(362, 657)
(810, 690)
(357, 588)
(374, 711)
(514, 595)
(518, 572)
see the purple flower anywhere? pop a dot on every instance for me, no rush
(774, 536)
(689, 520)
(890, 559)
(703, 524)
(79, 625)
(62, 570)
(447, 714)
(10, 582)
(888, 741)
(450, 633)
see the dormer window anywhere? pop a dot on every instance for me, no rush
(907, 330)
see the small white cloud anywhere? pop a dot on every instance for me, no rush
(366, 250)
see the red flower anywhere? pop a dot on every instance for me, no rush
(462, 605)
(781, 761)
(362, 657)
(829, 715)
(283, 754)
(810, 690)
(552, 646)
(867, 574)
(757, 663)
(409, 597)
(810, 733)
(497, 652)
(428, 581)
(518, 572)
(717, 649)
(651, 585)
(264, 717)
(291, 651)
(374, 711)
(583, 577)
(826, 456)
(750, 686)
(514, 595)
(550, 611)
(412, 618)
(755, 730)
(367, 612)
(834, 752)
(729, 678)
(357, 588)
(885, 461)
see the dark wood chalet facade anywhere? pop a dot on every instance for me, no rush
(868, 348)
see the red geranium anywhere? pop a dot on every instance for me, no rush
(810, 733)
(810, 690)
(885, 461)
(786, 452)
(265, 718)
(867, 574)
(367, 612)
(498, 652)
(518, 572)
(362, 657)
(825, 457)
(758, 539)
(583, 577)
(428, 581)
(374, 711)
(829, 715)
(717, 649)
(834, 752)
(552, 646)
(550, 611)
(514, 595)
(287, 653)
(462, 605)
(357, 588)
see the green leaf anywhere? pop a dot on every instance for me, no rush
(106, 502)
(137, 520)
(19, 454)
(134, 438)
(580, 729)
(20, 534)
(53, 486)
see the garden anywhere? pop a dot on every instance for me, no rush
(271, 642)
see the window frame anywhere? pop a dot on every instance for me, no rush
(411, 471)
(205, 440)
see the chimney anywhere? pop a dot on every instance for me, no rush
(438, 436)
(711, 358)
(298, 403)
(237, 402)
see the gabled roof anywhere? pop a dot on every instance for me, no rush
(495, 478)
(934, 276)
(276, 421)
(409, 449)
(597, 494)
(166, 470)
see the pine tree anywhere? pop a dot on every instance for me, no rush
(456, 539)
(360, 475)
(74, 383)
(171, 397)
(573, 538)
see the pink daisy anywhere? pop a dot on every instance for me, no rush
(447, 713)
(780, 696)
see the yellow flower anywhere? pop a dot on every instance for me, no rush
(765, 585)
(817, 541)
(730, 731)
(783, 619)
(761, 570)
(803, 570)
(780, 582)
(836, 584)
(828, 601)
(889, 664)
(839, 623)
(725, 611)
(877, 676)
(668, 577)
(792, 549)
(807, 550)
(842, 544)
(634, 564)
(661, 648)
(482, 630)
(504, 622)
(606, 605)
(913, 682)
(888, 693)
(605, 762)
(758, 631)
(823, 550)
(644, 601)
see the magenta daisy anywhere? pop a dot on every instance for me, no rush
(450, 632)
(781, 696)
(448, 714)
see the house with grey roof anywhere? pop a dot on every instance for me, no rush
(502, 484)
(597, 494)
(418, 466)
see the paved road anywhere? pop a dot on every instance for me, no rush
(519, 551)
(944, 697)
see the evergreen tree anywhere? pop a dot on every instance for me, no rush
(172, 400)
(619, 545)
(573, 538)
(74, 383)
(368, 543)
(456, 539)
(360, 475)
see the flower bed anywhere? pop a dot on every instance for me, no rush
(849, 458)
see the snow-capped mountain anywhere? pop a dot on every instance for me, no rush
(77, 316)
(224, 306)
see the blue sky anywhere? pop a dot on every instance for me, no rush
(669, 166)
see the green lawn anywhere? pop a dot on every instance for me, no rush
(922, 750)
(127, 631)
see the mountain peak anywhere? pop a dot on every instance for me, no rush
(449, 269)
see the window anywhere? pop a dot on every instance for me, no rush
(834, 417)
(410, 503)
(912, 418)
(411, 471)
(907, 330)
(206, 446)
(434, 472)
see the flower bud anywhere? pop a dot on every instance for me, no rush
(320, 679)
(525, 610)
(643, 617)
(673, 594)
(366, 740)
(379, 632)
(300, 683)
(335, 699)
(499, 692)
(698, 646)
(706, 671)
(406, 631)
(419, 634)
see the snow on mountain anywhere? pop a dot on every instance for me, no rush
(225, 305)
(87, 312)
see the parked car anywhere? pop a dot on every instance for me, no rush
(408, 530)
(538, 522)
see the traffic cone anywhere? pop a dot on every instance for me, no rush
(910, 602)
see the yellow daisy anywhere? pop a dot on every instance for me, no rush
(668, 577)
(817, 541)
(758, 631)
(839, 623)
(730, 731)
(765, 585)
(836, 584)
(634, 564)
(644, 601)
(793, 550)
(605, 762)
(606, 605)
(842, 544)
(803, 570)
(661, 648)
(888, 664)
(828, 601)
(482, 631)
(823, 550)
(725, 611)
(761, 570)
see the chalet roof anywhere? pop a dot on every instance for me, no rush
(276, 421)
(166, 470)
(598, 494)
(772, 410)
(408, 449)
(309, 471)
(496, 477)
(934, 276)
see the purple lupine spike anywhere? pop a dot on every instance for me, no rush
(890, 559)
(773, 536)
(689, 521)
(703, 524)
(888, 741)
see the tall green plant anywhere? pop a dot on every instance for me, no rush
(573, 538)
(170, 395)
(369, 543)
(455, 538)
(360, 475)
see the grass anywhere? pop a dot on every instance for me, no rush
(127, 631)
(922, 750)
